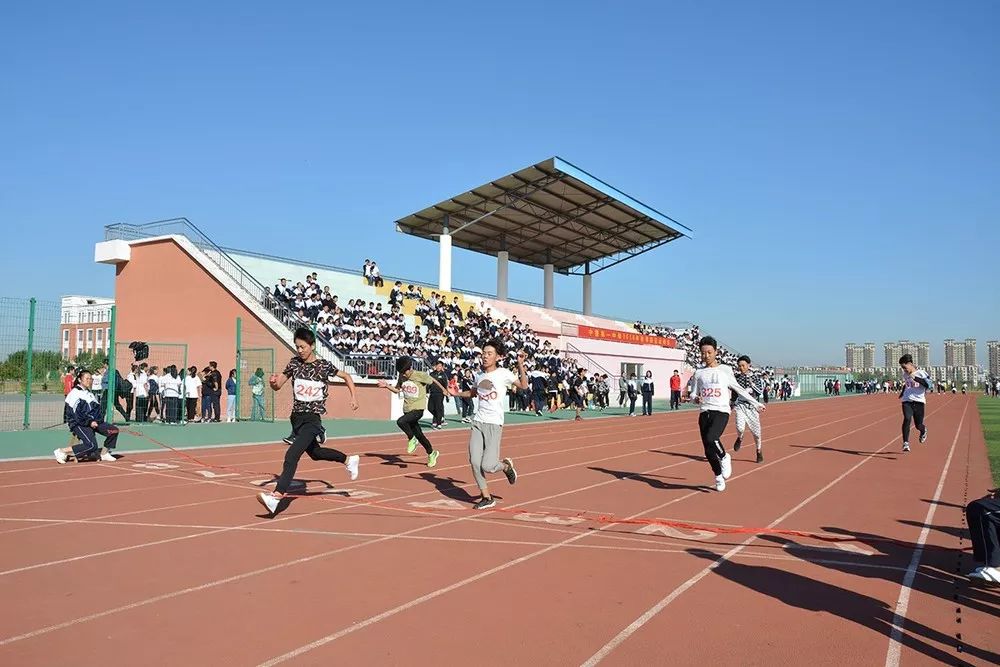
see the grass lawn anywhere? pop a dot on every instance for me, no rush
(989, 412)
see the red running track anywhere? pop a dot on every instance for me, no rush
(161, 560)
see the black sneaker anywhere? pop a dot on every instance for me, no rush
(484, 503)
(737, 444)
(509, 471)
(289, 439)
(923, 435)
(760, 456)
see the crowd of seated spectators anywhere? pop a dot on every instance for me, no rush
(687, 340)
(374, 330)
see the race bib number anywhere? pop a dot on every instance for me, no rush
(410, 389)
(308, 391)
(711, 392)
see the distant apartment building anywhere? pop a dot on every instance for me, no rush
(85, 325)
(868, 356)
(892, 352)
(854, 357)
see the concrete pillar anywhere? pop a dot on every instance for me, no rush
(502, 258)
(588, 307)
(444, 265)
(549, 301)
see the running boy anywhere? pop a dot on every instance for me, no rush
(913, 398)
(710, 387)
(310, 377)
(413, 386)
(746, 414)
(484, 440)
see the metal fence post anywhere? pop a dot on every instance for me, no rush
(27, 360)
(111, 385)
(239, 364)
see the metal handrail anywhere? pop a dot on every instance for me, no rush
(575, 350)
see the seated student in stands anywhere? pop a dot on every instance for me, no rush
(396, 295)
(85, 421)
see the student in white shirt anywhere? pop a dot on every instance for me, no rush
(913, 398)
(710, 387)
(192, 390)
(487, 424)
(140, 392)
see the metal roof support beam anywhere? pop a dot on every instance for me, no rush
(588, 302)
(623, 256)
(549, 300)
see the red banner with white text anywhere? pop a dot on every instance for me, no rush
(633, 337)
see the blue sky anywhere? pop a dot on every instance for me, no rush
(839, 162)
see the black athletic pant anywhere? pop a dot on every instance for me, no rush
(435, 404)
(631, 404)
(141, 408)
(539, 398)
(305, 427)
(984, 527)
(712, 425)
(675, 399)
(214, 400)
(912, 410)
(647, 403)
(409, 424)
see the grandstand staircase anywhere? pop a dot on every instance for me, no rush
(237, 280)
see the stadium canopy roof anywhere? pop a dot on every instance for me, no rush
(551, 212)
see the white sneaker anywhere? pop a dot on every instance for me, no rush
(108, 456)
(268, 501)
(60, 456)
(727, 466)
(720, 483)
(906, 446)
(352, 466)
(990, 575)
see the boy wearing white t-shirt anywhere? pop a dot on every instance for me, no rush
(913, 398)
(710, 387)
(484, 440)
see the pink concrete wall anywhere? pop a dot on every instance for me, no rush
(661, 361)
(163, 295)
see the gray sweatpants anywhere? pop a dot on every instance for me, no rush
(484, 451)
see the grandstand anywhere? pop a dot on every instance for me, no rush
(551, 215)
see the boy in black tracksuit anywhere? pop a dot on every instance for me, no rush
(435, 397)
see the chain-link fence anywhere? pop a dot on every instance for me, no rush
(152, 382)
(255, 396)
(32, 367)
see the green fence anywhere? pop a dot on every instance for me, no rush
(255, 398)
(32, 366)
(162, 364)
(255, 354)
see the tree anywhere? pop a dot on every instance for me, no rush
(43, 362)
(91, 360)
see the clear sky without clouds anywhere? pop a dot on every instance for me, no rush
(838, 162)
